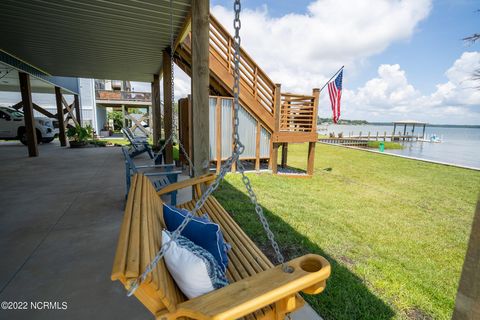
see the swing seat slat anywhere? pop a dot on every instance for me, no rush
(258, 290)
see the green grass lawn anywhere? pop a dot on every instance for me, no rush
(387, 144)
(122, 142)
(395, 230)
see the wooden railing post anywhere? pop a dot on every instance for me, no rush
(277, 106)
(276, 114)
(316, 98)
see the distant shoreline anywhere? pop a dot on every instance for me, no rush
(366, 123)
(474, 126)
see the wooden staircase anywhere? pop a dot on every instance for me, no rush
(290, 118)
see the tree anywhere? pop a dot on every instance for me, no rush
(472, 39)
(117, 117)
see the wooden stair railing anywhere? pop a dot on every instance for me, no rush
(258, 93)
(253, 78)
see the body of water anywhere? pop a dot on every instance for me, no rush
(459, 145)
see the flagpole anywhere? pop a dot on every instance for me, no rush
(332, 78)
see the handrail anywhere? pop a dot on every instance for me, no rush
(252, 78)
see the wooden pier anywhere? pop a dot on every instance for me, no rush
(345, 141)
(407, 135)
(361, 140)
(384, 137)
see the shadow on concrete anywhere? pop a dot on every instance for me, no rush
(346, 295)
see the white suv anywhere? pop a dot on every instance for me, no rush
(12, 126)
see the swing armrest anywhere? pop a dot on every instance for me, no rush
(156, 166)
(207, 179)
(243, 297)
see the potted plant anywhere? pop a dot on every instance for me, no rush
(78, 136)
(106, 131)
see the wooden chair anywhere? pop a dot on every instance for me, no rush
(138, 145)
(160, 179)
(257, 290)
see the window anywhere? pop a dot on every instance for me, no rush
(3, 115)
(99, 84)
(16, 114)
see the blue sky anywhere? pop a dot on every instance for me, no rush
(435, 44)
(429, 54)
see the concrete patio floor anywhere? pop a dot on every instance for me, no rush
(60, 215)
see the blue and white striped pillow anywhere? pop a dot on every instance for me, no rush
(200, 230)
(193, 268)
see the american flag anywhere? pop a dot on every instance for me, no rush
(335, 92)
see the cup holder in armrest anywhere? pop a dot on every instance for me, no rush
(311, 264)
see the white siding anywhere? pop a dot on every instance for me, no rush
(247, 130)
(86, 88)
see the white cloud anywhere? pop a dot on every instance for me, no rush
(460, 89)
(182, 84)
(390, 88)
(390, 97)
(331, 33)
(301, 51)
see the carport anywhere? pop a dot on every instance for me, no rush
(124, 40)
(18, 76)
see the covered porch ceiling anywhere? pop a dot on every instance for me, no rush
(9, 81)
(102, 39)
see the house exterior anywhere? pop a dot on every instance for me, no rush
(97, 98)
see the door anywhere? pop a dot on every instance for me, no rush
(5, 125)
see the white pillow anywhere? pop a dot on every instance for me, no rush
(193, 268)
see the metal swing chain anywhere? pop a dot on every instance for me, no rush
(239, 147)
(224, 169)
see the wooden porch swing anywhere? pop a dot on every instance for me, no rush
(257, 289)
